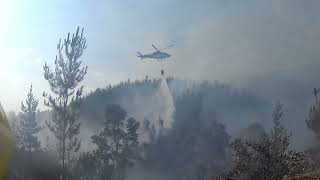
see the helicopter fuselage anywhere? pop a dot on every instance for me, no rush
(155, 55)
(158, 54)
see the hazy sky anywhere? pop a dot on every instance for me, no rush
(237, 42)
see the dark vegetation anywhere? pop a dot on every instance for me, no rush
(313, 123)
(268, 157)
(205, 136)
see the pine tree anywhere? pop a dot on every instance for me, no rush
(117, 142)
(66, 99)
(313, 119)
(277, 117)
(29, 127)
(269, 157)
(313, 124)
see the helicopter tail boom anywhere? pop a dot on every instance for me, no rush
(139, 55)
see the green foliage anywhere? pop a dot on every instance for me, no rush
(117, 142)
(27, 139)
(66, 99)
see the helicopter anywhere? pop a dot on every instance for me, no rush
(158, 54)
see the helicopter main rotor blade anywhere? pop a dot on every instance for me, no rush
(169, 46)
(155, 47)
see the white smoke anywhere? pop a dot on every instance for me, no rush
(157, 107)
(142, 102)
(138, 172)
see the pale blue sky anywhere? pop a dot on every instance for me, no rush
(230, 41)
(115, 30)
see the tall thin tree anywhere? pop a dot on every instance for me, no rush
(29, 127)
(66, 99)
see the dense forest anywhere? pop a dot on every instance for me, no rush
(160, 128)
